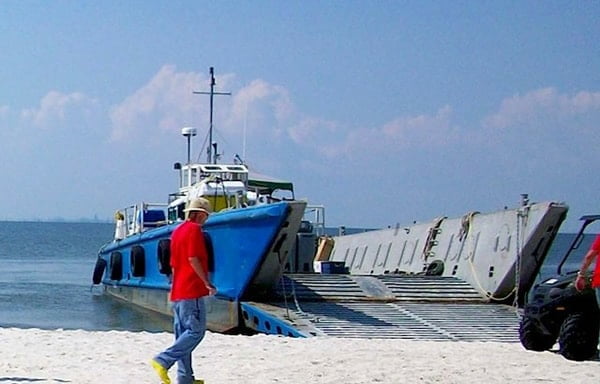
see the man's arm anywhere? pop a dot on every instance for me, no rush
(197, 266)
(587, 260)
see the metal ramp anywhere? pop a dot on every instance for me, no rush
(430, 288)
(377, 288)
(422, 321)
(402, 307)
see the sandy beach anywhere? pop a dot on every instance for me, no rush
(64, 356)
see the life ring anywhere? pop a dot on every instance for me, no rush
(116, 266)
(164, 256)
(435, 268)
(98, 270)
(138, 261)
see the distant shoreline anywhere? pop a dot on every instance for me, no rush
(59, 220)
(329, 231)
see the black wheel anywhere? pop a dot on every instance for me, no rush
(578, 337)
(532, 337)
(436, 268)
(164, 256)
(98, 270)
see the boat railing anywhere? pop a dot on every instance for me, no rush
(140, 217)
(315, 214)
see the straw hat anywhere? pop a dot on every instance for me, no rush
(199, 204)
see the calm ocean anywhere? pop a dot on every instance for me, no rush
(46, 278)
(46, 273)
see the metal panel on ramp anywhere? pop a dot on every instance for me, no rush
(423, 321)
(377, 288)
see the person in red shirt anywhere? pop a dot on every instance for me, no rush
(189, 286)
(581, 280)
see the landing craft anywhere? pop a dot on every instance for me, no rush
(276, 272)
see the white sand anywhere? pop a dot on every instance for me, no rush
(33, 355)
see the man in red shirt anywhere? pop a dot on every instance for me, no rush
(591, 255)
(190, 284)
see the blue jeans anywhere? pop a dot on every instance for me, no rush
(189, 326)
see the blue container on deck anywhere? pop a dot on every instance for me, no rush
(333, 267)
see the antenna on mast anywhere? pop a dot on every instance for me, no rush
(211, 158)
(188, 132)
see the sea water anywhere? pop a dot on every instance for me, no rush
(46, 278)
(559, 248)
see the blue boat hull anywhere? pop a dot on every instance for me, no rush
(250, 247)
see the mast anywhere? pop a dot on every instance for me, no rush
(211, 157)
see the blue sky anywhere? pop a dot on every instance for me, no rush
(383, 111)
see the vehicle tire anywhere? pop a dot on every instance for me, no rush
(138, 261)
(436, 268)
(578, 337)
(532, 338)
(164, 257)
(116, 266)
(98, 271)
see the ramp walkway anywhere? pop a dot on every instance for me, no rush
(389, 306)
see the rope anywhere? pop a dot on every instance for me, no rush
(202, 146)
(467, 227)
(521, 217)
(225, 194)
(483, 291)
(282, 279)
(287, 312)
(296, 300)
(296, 303)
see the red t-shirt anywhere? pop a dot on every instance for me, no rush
(187, 241)
(596, 276)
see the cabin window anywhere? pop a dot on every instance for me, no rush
(185, 177)
(176, 213)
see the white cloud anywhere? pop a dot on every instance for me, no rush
(56, 106)
(312, 130)
(541, 104)
(260, 91)
(165, 103)
(421, 130)
(260, 107)
(406, 132)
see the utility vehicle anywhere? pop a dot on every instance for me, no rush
(556, 311)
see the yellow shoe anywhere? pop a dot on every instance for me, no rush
(198, 381)
(161, 371)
